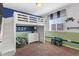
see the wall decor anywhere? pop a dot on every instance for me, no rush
(72, 28)
(70, 19)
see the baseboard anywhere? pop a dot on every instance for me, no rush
(9, 53)
(71, 47)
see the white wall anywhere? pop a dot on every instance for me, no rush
(8, 44)
(41, 34)
(46, 25)
(72, 11)
(32, 37)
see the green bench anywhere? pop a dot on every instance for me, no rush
(57, 41)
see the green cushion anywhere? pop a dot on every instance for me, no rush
(21, 39)
(21, 34)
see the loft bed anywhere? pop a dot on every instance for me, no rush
(8, 29)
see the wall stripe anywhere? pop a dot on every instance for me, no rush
(71, 41)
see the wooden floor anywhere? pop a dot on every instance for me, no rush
(40, 49)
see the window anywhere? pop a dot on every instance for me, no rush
(51, 16)
(57, 24)
(63, 13)
(54, 15)
(53, 27)
(60, 26)
(58, 14)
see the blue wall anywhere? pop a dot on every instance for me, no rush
(7, 12)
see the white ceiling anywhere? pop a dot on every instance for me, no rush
(31, 7)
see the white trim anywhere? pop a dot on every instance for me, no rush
(9, 52)
(71, 47)
(14, 18)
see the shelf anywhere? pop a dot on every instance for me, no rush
(32, 19)
(30, 24)
(28, 20)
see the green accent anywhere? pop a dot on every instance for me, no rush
(71, 44)
(21, 34)
(65, 35)
(21, 39)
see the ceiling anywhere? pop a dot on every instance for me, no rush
(31, 7)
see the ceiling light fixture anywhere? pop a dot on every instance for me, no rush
(38, 5)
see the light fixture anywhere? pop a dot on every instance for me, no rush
(38, 5)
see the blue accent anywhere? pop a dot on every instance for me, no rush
(24, 28)
(71, 41)
(7, 12)
(74, 42)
